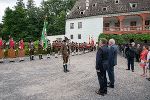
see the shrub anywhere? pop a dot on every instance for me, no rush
(125, 38)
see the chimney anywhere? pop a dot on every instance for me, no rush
(87, 4)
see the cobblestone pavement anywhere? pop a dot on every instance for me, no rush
(45, 80)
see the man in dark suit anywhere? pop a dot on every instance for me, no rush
(112, 62)
(130, 53)
(101, 66)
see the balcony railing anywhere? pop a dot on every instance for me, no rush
(145, 28)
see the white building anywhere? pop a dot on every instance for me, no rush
(84, 29)
(55, 37)
(89, 18)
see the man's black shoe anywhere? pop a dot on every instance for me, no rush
(1, 62)
(12, 61)
(105, 92)
(64, 68)
(148, 79)
(67, 70)
(127, 69)
(108, 82)
(111, 86)
(99, 93)
(132, 70)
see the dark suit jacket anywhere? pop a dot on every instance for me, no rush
(113, 55)
(102, 58)
(130, 52)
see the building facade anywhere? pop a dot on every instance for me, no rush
(89, 18)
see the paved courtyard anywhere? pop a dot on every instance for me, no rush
(45, 80)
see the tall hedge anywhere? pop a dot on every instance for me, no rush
(125, 38)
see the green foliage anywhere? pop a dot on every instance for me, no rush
(125, 38)
(27, 22)
(26, 49)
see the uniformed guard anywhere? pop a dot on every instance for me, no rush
(77, 48)
(31, 50)
(21, 52)
(80, 48)
(1, 50)
(48, 49)
(84, 47)
(59, 47)
(56, 48)
(40, 49)
(92, 45)
(11, 51)
(72, 48)
(65, 50)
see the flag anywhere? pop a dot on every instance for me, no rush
(92, 41)
(44, 35)
(89, 39)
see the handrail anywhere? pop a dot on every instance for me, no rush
(127, 28)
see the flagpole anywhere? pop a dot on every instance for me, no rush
(44, 34)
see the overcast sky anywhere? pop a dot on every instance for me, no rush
(10, 3)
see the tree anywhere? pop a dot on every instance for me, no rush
(1, 27)
(32, 20)
(8, 22)
(19, 25)
(28, 22)
(56, 11)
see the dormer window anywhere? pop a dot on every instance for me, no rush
(82, 12)
(104, 8)
(95, 4)
(117, 1)
(79, 7)
(133, 5)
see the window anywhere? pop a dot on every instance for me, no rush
(106, 24)
(71, 36)
(133, 23)
(104, 8)
(116, 1)
(95, 4)
(133, 5)
(79, 25)
(147, 22)
(71, 25)
(117, 24)
(82, 12)
(79, 36)
(79, 7)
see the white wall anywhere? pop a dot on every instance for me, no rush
(53, 38)
(91, 26)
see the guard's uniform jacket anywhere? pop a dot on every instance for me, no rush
(65, 50)
(31, 50)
